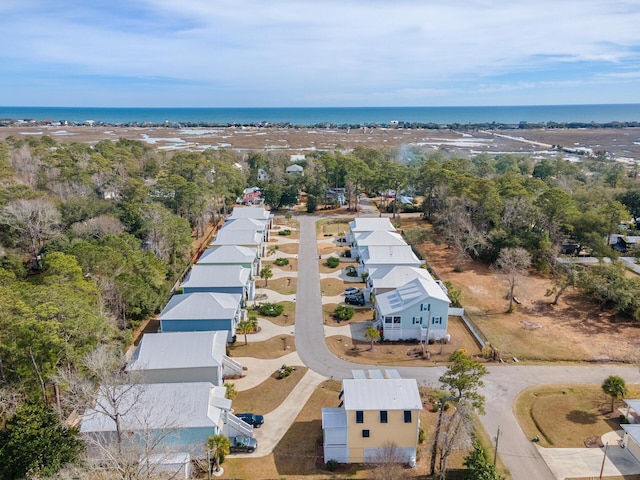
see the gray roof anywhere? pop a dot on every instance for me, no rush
(379, 237)
(416, 291)
(228, 254)
(250, 212)
(381, 394)
(370, 224)
(633, 430)
(393, 276)
(201, 306)
(334, 418)
(390, 255)
(201, 276)
(634, 404)
(158, 351)
(159, 405)
(245, 224)
(237, 237)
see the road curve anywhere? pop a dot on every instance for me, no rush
(502, 385)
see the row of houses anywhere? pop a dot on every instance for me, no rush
(175, 397)
(378, 407)
(409, 303)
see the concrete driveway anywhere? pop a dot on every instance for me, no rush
(587, 462)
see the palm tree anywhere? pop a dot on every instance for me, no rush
(231, 391)
(373, 334)
(266, 273)
(247, 326)
(219, 446)
(615, 387)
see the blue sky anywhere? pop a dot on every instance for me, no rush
(288, 53)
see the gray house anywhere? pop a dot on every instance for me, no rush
(382, 256)
(244, 238)
(251, 224)
(203, 312)
(179, 357)
(257, 213)
(220, 279)
(231, 255)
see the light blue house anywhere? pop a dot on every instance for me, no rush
(220, 279)
(245, 238)
(203, 312)
(376, 256)
(260, 226)
(417, 310)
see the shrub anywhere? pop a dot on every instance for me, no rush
(333, 262)
(281, 262)
(343, 312)
(286, 231)
(421, 436)
(271, 309)
(284, 371)
(332, 465)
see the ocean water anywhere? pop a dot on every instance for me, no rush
(338, 115)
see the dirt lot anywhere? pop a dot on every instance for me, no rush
(574, 330)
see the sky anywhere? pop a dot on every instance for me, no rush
(328, 53)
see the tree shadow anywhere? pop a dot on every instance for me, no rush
(582, 417)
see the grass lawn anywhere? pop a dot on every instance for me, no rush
(283, 285)
(273, 348)
(563, 416)
(288, 316)
(361, 315)
(332, 286)
(332, 226)
(267, 396)
(290, 248)
(295, 231)
(291, 267)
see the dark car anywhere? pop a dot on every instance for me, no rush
(354, 299)
(252, 419)
(243, 444)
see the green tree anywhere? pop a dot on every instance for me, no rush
(615, 387)
(266, 273)
(478, 465)
(219, 447)
(231, 391)
(247, 326)
(35, 441)
(372, 334)
(343, 312)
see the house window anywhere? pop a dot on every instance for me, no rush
(417, 320)
(388, 320)
(359, 416)
(397, 319)
(407, 416)
(365, 433)
(383, 416)
(425, 308)
(436, 321)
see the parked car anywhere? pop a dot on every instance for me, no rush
(354, 300)
(252, 419)
(243, 444)
(352, 291)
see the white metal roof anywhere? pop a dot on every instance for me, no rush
(370, 224)
(250, 212)
(633, 430)
(245, 224)
(390, 255)
(334, 418)
(634, 404)
(159, 405)
(227, 254)
(217, 276)
(379, 237)
(159, 351)
(237, 237)
(201, 306)
(403, 297)
(392, 276)
(381, 394)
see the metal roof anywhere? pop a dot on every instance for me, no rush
(379, 237)
(405, 296)
(245, 224)
(157, 406)
(633, 430)
(368, 224)
(217, 276)
(390, 255)
(169, 350)
(392, 276)
(237, 237)
(227, 254)
(201, 306)
(250, 212)
(381, 394)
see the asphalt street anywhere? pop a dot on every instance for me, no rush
(502, 385)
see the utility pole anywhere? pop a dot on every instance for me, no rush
(604, 459)
(495, 454)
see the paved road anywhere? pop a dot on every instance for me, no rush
(502, 385)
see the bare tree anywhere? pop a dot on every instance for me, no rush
(26, 165)
(37, 218)
(455, 436)
(456, 224)
(389, 460)
(98, 227)
(513, 264)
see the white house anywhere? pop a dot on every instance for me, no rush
(294, 169)
(244, 238)
(238, 224)
(231, 255)
(417, 310)
(368, 224)
(389, 277)
(234, 279)
(381, 256)
(257, 213)
(382, 238)
(179, 357)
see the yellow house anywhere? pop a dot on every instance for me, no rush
(375, 410)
